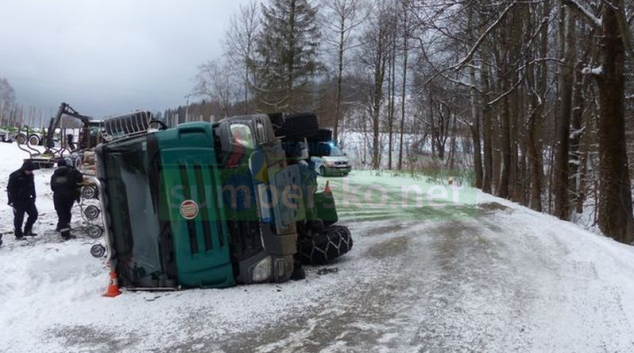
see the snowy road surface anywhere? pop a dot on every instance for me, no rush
(494, 277)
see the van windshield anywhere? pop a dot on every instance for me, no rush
(335, 151)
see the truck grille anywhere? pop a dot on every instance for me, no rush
(210, 215)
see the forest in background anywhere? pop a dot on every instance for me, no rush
(541, 90)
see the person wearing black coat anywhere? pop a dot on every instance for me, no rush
(65, 184)
(21, 196)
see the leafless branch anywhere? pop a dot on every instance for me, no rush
(585, 14)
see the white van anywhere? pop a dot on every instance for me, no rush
(329, 159)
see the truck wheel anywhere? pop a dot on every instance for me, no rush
(94, 231)
(89, 192)
(92, 212)
(294, 126)
(322, 171)
(98, 251)
(322, 135)
(34, 140)
(20, 139)
(325, 247)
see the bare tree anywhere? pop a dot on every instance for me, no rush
(240, 43)
(615, 198)
(537, 82)
(375, 59)
(405, 33)
(476, 99)
(348, 15)
(214, 80)
(7, 100)
(566, 82)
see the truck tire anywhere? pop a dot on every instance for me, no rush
(89, 192)
(322, 135)
(325, 247)
(34, 140)
(294, 126)
(20, 138)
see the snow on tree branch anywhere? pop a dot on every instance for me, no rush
(596, 71)
(585, 13)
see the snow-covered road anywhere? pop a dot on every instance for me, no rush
(488, 277)
(500, 283)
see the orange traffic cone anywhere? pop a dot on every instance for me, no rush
(113, 286)
(327, 188)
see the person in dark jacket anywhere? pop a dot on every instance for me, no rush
(21, 195)
(65, 184)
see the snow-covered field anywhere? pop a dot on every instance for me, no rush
(479, 275)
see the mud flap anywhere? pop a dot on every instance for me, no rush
(326, 208)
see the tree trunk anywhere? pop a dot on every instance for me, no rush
(535, 108)
(583, 177)
(475, 130)
(452, 148)
(433, 126)
(534, 120)
(514, 187)
(291, 60)
(392, 93)
(578, 103)
(376, 113)
(503, 188)
(487, 179)
(566, 80)
(615, 200)
(404, 88)
(335, 130)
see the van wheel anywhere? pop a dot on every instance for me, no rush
(294, 126)
(325, 247)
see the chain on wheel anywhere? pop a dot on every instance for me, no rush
(325, 247)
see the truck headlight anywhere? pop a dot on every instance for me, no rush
(262, 270)
(329, 164)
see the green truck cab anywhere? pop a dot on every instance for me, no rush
(212, 205)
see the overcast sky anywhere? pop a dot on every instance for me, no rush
(106, 57)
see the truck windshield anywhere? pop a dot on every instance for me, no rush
(132, 211)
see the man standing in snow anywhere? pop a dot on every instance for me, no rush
(65, 184)
(21, 195)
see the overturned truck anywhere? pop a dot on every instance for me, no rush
(215, 204)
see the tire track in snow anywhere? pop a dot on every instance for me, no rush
(433, 295)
